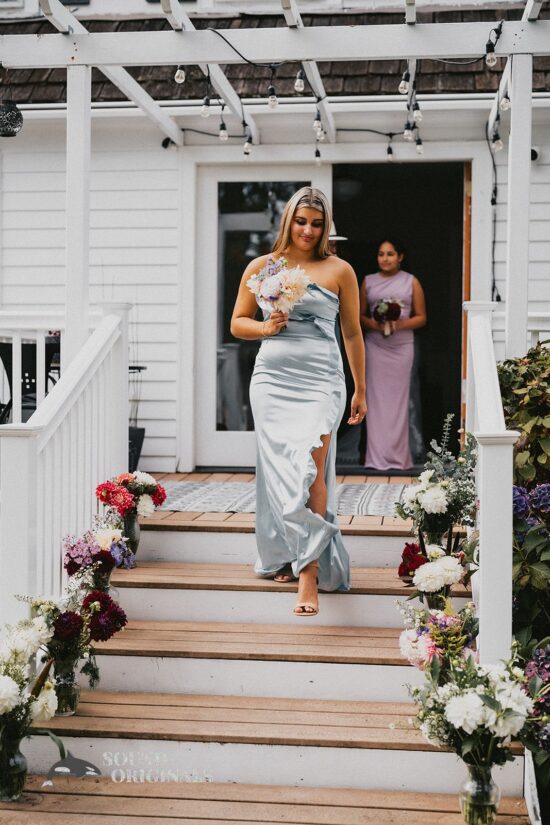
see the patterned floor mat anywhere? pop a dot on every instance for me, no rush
(240, 497)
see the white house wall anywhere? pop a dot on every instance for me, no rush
(139, 213)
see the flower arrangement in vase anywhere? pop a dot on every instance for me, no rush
(98, 552)
(132, 495)
(23, 699)
(475, 712)
(445, 494)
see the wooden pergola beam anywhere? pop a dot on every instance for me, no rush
(60, 17)
(321, 43)
(311, 70)
(181, 22)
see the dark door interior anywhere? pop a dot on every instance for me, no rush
(422, 204)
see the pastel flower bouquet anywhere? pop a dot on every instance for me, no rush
(386, 311)
(438, 634)
(98, 551)
(278, 288)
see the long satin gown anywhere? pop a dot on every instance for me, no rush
(388, 363)
(298, 394)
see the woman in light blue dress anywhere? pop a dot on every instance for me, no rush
(298, 397)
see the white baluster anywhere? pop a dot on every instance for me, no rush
(16, 379)
(40, 366)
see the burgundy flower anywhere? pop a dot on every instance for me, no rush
(108, 620)
(159, 496)
(410, 550)
(68, 626)
(105, 560)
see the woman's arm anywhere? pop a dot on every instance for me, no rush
(353, 339)
(243, 322)
(368, 324)
(418, 310)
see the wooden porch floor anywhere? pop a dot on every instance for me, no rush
(100, 801)
(245, 522)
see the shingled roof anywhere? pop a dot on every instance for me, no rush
(340, 78)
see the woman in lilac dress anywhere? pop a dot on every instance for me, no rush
(389, 359)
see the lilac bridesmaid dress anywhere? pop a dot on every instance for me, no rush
(388, 366)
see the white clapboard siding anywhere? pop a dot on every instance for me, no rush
(134, 256)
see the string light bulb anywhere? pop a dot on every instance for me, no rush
(317, 123)
(272, 97)
(490, 56)
(408, 131)
(505, 103)
(321, 135)
(417, 113)
(223, 133)
(205, 108)
(299, 84)
(179, 77)
(419, 146)
(389, 153)
(404, 84)
(496, 143)
(247, 148)
(318, 160)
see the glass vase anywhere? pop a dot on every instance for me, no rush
(131, 531)
(66, 688)
(13, 769)
(102, 581)
(438, 599)
(479, 796)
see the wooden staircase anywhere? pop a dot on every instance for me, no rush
(292, 720)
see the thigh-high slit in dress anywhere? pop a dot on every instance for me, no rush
(297, 395)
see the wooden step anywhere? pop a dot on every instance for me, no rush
(169, 520)
(98, 801)
(218, 640)
(381, 581)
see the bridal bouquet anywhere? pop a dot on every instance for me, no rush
(277, 288)
(387, 310)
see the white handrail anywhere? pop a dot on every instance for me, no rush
(538, 325)
(49, 467)
(485, 419)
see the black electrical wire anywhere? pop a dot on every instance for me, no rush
(495, 294)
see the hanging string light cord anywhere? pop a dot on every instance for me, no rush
(495, 294)
(272, 66)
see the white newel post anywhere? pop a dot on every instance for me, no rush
(475, 310)
(78, 211)
(495, 462)
(519, 175)
(18, 543)
(119, 390)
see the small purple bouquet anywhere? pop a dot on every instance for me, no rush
(278, 288)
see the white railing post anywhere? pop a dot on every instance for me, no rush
(119, 390)
(495, 479)
(517, 234)
(474, 309)
(17, 519)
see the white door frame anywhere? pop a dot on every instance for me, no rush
(274, 162)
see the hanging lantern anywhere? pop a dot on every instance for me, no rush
(11, 119)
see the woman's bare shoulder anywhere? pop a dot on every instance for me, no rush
(254, 266)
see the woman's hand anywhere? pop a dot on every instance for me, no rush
(274, 324)
(358, 408)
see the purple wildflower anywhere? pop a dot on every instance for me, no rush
(544, 737)
(122, 555)
(539, 499)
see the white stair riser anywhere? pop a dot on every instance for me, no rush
(260, 607)
(138, 760)
(247, 677)
(240, 548)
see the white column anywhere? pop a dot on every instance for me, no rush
(18, 546)
(494, 473)
(118, 392)
(78, 210)
(519, 174)
(473, 310)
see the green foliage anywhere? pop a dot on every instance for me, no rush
(525, 389)
(531, 585)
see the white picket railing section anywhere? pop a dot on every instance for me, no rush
(50, 466)
(538, 326)
(485, 419)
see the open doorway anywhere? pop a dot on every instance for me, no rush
(422, 204)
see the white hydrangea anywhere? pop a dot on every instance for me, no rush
(45, 705)
(145, 506)
(408, 496)
(433, 551)
(429, 578)
(453, 570)
(106, 536)
(9, 694)
(144, 478)
(425, 477)
(466, 711)
(433, 500)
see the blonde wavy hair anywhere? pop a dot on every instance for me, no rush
(309, 197)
